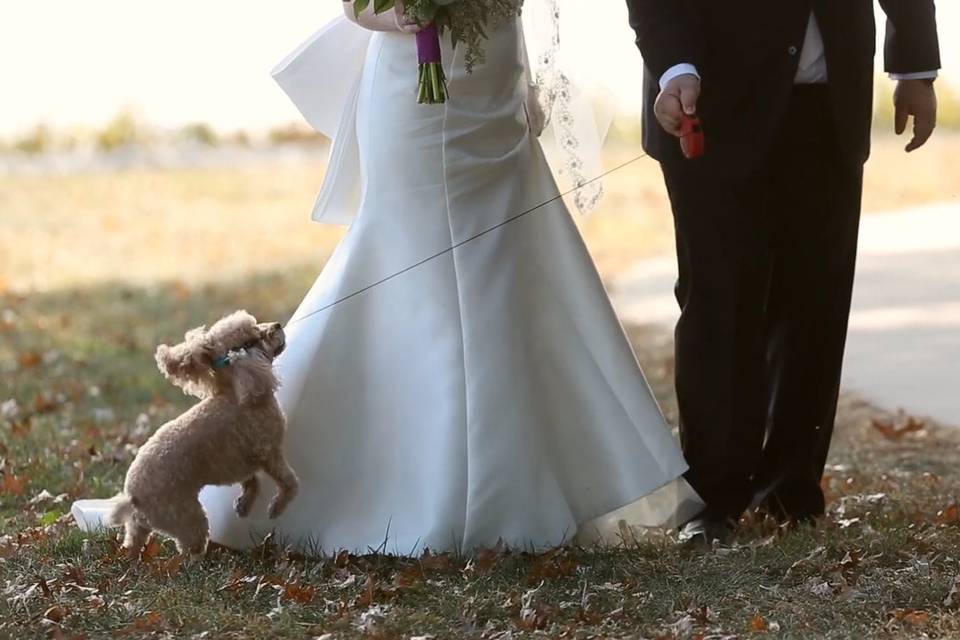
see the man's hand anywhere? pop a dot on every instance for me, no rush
(679, 97)
(915, 98)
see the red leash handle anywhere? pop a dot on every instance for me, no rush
(692, 141)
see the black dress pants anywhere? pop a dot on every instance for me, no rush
(766, 269)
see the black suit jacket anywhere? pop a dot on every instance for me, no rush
(747, 52)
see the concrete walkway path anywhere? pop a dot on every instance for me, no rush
(904, 345)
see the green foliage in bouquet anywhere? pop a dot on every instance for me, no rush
(466, 20)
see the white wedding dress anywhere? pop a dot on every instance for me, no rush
(488, 391)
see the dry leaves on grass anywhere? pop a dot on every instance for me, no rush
(484, 561)
(46, 402)
(12, 484)
(757, 623)
(948, 515)
(148, 622)
(29, 359)
(534, 615)
(911, 616)
(430, 561)
(551, 565)
(897, 428)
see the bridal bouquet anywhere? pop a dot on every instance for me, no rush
(466, 20)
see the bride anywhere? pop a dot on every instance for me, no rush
(457, 376)
(485, 393)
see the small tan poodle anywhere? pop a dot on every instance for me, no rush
(235, 430)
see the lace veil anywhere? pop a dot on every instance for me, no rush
(576, 125)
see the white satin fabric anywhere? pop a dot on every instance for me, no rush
(326, 93)
(488, 393)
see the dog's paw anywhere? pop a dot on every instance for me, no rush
(242, 505)
(277, 506)
(130, 553)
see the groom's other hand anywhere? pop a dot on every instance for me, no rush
(916, 98)
(678, 97)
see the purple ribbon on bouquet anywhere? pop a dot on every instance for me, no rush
(428, 45)
(432, 86)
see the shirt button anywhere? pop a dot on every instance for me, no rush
(792, 50)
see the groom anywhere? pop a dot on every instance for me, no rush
(766, 223)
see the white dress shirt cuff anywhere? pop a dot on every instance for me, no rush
(677, 70)
(919, 75)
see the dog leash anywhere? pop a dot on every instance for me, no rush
(476, 236)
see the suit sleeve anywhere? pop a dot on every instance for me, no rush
(911, 43)
(669, 32)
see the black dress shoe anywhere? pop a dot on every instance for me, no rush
(791, 515)
(704, 530)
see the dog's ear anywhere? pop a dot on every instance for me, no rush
(252, 377)
(188, 366)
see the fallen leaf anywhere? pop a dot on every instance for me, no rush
(54, 614)
(29, 359)
(150, 621)
(44, 403)
(74, 574)
(891, 431)
(59, 634)
(808, 562)
(484, 560)
(11, 484)
(42, 583)
(851, 560)
(588, 616)
(151, 550)
(911, 616)
(406, 578)
(948, 515)
(757, 623)
(551, 565)
(300, 593)
(237, 580)
(534, 619)
(435, 562)
(342, 559)
(21, 428)
(169, 567)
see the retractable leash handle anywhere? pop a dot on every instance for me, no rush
(692, 141)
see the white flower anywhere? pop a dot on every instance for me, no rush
(102, 415)
(142, 426)
(9, 409)
(235, 354)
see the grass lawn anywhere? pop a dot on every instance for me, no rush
(146, 225)
(79, 365)
(95, 271)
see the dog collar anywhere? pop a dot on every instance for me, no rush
(225, 361)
